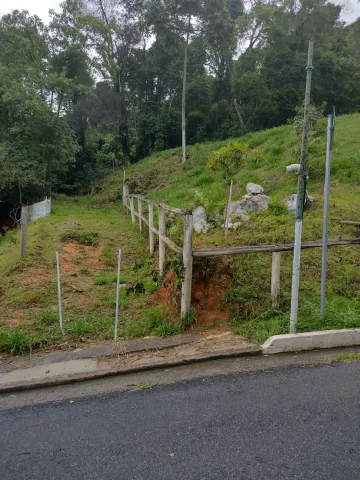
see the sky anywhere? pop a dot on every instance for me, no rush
(41, 7)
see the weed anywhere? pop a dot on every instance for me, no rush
(14, 341)
(84, 238)
(347, 358)
(48, 317)
(85, 271)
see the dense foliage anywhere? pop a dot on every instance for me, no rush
(102, 84)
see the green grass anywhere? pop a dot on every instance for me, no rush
(347, 358)
(88, 230)
(88, 239)
(192, 184)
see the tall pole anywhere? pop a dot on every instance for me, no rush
(301, 196)
(117, 296)
(330, 131)
(183, 101)
(59, 293)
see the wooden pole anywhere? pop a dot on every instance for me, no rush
(140, 209)
(275, 280)
(117, 296)
(151, 226)
(132, 209)
(228, 210)
(24, 221)
(188, 265)
(59, 292)
(162, 231)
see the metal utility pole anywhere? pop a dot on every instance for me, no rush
(329, 144)
(301, 196)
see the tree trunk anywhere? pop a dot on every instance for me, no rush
(183, 105)
(241, 120)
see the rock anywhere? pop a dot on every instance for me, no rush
(236, 225)
(254, 189)
(200, 223)
(249, 204)
(294, 167)
(291, 202)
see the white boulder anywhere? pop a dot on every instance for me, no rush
(200, 223)
(254, 189)
(249, 204)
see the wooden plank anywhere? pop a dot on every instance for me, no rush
(188, 266)
(165, 207)
(132, 209)
(168, 242)
(271, 248)
(178, 211)
(348, 222)
(275, 279)
(162, 235)
(151, 226)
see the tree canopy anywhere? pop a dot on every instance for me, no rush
(103, 84)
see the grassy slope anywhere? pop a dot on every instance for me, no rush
(162, 177)
(28, 292)
(28, 287)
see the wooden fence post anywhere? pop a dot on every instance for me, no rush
(275, 280)
(140, 210)
(162, 232)
(132, 209)
(151, 226)
(24, 221)
(125, 203)
(188, 265)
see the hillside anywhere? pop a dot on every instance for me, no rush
(161, 177)
(88, 230)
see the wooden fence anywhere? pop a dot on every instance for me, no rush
(186, 250)
(188, 253)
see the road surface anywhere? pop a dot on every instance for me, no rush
(285, 423)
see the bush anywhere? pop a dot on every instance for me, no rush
(228, 160)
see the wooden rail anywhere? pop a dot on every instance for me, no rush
(213, 252)
(186, 250)
(188, 253)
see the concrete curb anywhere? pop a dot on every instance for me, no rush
(82, 377)
(297, 342)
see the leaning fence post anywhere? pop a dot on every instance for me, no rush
(275, 280)
(151, 226)
(140, 209)
(132, 209)
(188, 265)
(162, 232)
(24, 221)
(59, 292)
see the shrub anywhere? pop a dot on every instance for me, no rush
(228, 160)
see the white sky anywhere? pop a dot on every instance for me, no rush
(41, 7)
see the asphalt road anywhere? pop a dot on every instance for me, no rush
(288, 423)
